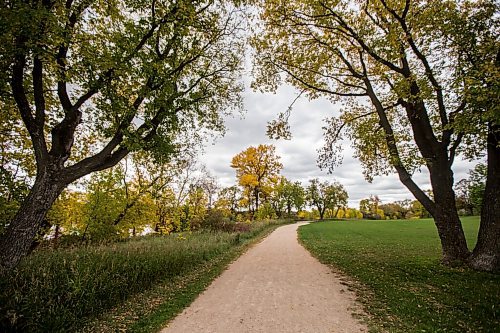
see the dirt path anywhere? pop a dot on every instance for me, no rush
(277, 286)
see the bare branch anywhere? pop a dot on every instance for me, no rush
(316, 88)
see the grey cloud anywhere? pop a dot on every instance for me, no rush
(299, 155)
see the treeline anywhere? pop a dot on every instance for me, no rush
(138, 197)
(468, 195)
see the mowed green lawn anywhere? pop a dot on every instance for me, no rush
(394, 268)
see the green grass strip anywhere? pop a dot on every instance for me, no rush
(394, 267)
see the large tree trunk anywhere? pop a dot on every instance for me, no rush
(449, 226)
(486, 254)
(451, 234)
(16, 241)
(443, 209)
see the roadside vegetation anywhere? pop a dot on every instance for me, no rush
(61, 290)
(395, 269)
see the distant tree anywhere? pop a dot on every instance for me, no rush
(210, 186)
(393, 210)
(418, 210)
(353, 213)
(137, 188)
(464, 203)
(298, 196)
(323, 196)
(66, 216)
(265, 212)
(194, 209)
(370, 208)
(105, 196)
(477, 185)
(228, 200)
(257, 170)
(280, 196)
(287, 195)
(470, 191)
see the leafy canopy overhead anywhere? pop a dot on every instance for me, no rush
(129, 75)
(402, 69)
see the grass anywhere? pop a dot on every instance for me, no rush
(133, 286)
(394, 267)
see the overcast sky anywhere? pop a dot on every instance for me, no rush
(299, 154)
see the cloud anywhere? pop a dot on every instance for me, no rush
(299, 154)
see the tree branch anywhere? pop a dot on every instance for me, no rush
(361, 42)
(19, 94)
(428, 70)
(453, 149)
(38, 95)
(395, 160)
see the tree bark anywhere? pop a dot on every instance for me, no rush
(336, 212)
(16, 241)
(486, 254)
(446, 219)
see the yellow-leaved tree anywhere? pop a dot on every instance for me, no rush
(257, 170)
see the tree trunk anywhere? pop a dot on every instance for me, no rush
(57, 234)
(256, 194)
(336, 212)
(16, 241)
(451, 234)
(449, 226)
(486, 254)
(321, 213)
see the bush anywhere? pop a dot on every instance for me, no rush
(266, 211)
(215, 220)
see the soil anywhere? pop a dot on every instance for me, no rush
(276, 286)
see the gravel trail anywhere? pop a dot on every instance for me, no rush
(276, 286)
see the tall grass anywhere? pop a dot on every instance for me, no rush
(54, 291)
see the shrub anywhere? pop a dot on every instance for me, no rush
(266, 211)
